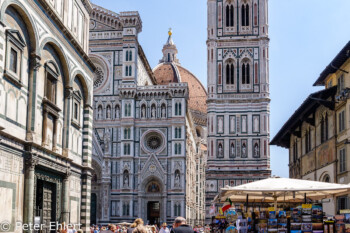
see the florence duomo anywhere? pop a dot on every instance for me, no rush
(92, 134)
(131, 116)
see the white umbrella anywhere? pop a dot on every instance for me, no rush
(282, 190)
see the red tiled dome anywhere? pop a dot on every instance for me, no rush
(166, 73)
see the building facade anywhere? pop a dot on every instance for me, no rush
(45, 112)
(317, 134)
(238, 94)
(146, 144)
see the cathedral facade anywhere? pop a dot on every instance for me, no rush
(46, 110)
(148, 146)
(238, 94)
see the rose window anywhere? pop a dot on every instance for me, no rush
(154, 142)
(99, 77)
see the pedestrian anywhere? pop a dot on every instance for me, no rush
(181, 226)
(136, 223)
(164, 228)
(140, 229)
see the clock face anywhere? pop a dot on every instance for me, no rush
(98, 77)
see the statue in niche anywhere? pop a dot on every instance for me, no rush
(256, 124)
(220, 125)
(108, 112)
(126, 179)
(256, 150)
(107, 140)
(163, 112)
(244, 124)
(244, 150)
(177, 179)
(117, 110)
(233, 152)
(143, 111)
(220, 150)
(153, 111)
(99, 112)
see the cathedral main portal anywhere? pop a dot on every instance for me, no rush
(153, 212)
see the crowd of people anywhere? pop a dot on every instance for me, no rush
(179, 226)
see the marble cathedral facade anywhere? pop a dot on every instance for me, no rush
(46, 81)
(147, 147)
(238, 94)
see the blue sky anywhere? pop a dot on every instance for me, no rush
(305, 36)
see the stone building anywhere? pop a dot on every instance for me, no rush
(45, 112)
(148, 143)
(238, 94)
(317, 134)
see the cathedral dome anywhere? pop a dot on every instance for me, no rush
(169, 70)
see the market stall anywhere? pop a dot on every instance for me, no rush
(305, 215)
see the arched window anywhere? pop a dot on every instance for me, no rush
(324, 128)
(130, 71)
(126, 149)
(178, 109)
(230, 73)
(326, 179)
(245, 15)
(177, 148)
(177, 210)
(130, 55)
(229, 16)
(245, 73)
(255, 14)
(127, 110)
(168, 57)
(127, 56)
(126, 71)
(178, 132)
(127, 133)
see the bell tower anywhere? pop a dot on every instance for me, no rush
(238, 94)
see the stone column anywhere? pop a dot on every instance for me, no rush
(34, 66)
(30, 163)
(54, 142)
(44, 136)
(68, 93)
(65, 198)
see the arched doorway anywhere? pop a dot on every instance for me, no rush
(153, 207)
(153, 201)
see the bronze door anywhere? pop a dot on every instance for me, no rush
(46, 204)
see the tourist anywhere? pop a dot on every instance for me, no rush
(136, 223)
(181, 226)
(164, 229)
(140, 229)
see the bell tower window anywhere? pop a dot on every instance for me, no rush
(229, 15)
(245, 15)
(245, 73)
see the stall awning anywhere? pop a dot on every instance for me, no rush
(282, 190)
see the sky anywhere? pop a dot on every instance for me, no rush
(305, 35)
